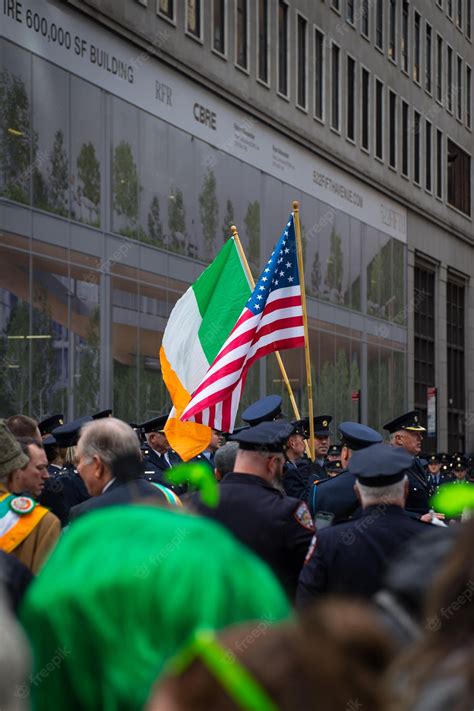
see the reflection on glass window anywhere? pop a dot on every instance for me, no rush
(385, 277)
(126, 185)
(15, 124)
(51, 170)
(193, 17)
(86, 152)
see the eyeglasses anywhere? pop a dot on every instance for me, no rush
(234, 678)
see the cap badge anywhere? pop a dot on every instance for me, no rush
(416, 418)
(22, 505)
(325, 423)
(61, 422)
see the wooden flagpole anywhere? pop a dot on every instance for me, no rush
(235, 235)
(309, 385)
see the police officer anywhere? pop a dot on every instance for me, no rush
(298, 479)
(267, 409)
(46, 426)
(276, 527)
(65, 487)
(337, 495)
(351, 558)
(334, 453)
(159, 456)
(407, 432)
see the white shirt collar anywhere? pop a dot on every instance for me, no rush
(108, 485)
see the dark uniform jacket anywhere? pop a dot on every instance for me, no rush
(63, 490)
(119, 492)
(276, 527)
(350, 558)
(298, 478)
(337, 495)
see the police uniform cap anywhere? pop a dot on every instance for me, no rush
(434, 459)
(47, 425)
(321, 426)
(408, 421)
(156, 424)
(357, 436)
(102, 413)
(459, 466)
(380, 464)
(266, 409)
(443, 457)
(334, 466)
(335, 450)
(227, 435)
(68, 434)
(445, 468)
(50, 441)
(266, 436)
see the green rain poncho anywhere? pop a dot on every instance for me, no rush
(122, 592)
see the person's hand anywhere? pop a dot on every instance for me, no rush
(428, 517)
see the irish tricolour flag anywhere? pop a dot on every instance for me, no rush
(196, 330)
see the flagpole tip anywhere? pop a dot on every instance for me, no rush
(296, 205)
(233, 229)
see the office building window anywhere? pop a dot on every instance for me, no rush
(428, 58)
(428, 154)
(166, 8)
(449, 8)
(302, 59)
(439, 68)
(193, 18)
(468, 18)
(405, 35)
(218, 26)
(439, 164)
(417, 57)
(365, 109)
(405, 136)
(283, 48)
(335, 85)
(336, 4)
(379, 23)
(365, 18)
(459, 78)
(459, 178)
(263, 40)
(459, 17)
(416, 147)
(379, 119)
(392, 129)
(455, 321)
(449, 78)
(319, 75)
(350, 118)
(424, 333)
(392, 33)
(350, 11)
(468, 96)
(242, 40)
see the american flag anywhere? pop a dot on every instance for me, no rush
(272, 320)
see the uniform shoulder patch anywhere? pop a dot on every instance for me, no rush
(303, 516)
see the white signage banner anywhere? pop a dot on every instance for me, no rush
(86, 49)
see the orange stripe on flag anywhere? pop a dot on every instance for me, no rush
(186, 438)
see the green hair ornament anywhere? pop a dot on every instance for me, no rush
(453, 499)
(235, 679)
(199, 476)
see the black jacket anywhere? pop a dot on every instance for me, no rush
(298, 478)
(126, 492)
(351, 558)
(276, 527)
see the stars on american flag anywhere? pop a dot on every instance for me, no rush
(280, 271)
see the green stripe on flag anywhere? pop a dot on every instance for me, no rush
(221, 293)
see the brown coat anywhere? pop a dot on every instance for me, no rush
(35, 548)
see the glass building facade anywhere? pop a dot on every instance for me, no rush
(108, 213)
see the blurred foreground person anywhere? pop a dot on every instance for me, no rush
(350, 558)
(27, 530)
(331, 659)
(275, 526)
(437, 673)
(124, 590)
(109, 463)
(24, 426)
(14, 661)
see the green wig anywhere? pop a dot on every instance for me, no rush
(123, 591)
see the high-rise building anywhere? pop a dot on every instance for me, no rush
(135, 132)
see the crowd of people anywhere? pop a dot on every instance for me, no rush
(252, 577)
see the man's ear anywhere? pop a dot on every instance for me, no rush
(99, 467)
